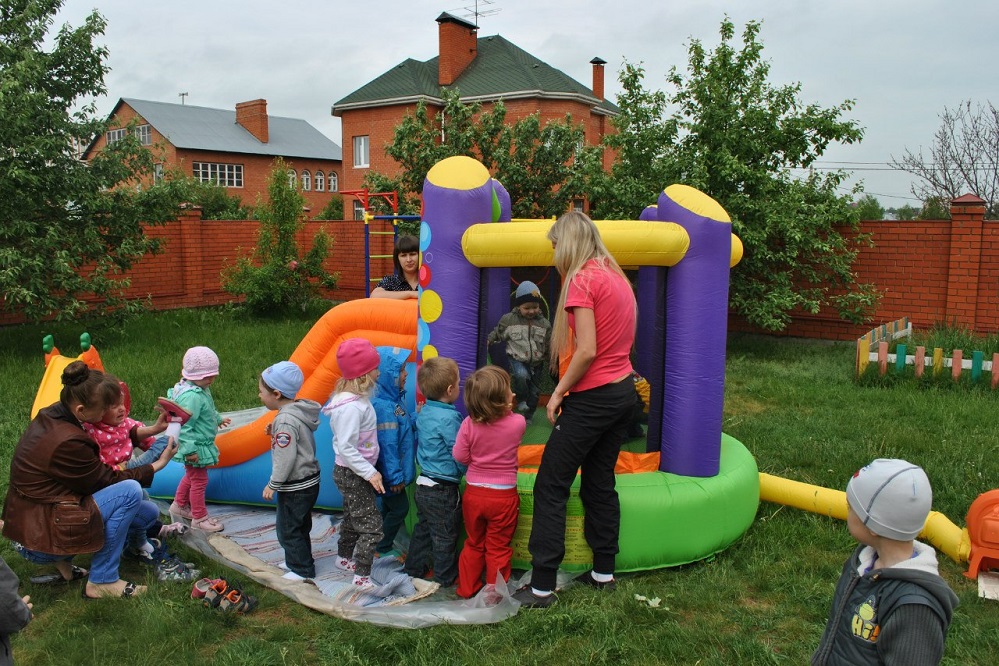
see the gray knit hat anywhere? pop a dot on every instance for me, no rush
(527, 292)
(891, 497)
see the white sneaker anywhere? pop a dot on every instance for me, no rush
(363, 582)
(344, 564)
(291, 575)
(283, 566)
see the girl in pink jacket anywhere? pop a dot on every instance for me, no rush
(487, 442)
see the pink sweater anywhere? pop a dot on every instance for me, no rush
(115, 442)
(490, 449)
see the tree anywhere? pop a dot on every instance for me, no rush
(737, 137)
(277, 278)
(536, 163)
(67, 229)
(964, 157)
(869, 208)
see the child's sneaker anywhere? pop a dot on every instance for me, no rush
(291, 575)
(173, 529)
(528, 599)
(177, 512)
(207, 524)
(224, 596)
(173, 570)
(345, 564)
(202, 587)
(363, 582)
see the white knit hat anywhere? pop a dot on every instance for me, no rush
(200, 363)
(891, 497)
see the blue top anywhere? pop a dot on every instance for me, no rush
(396, 430)
(437, 428)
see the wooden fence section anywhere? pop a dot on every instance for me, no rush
(901, 328)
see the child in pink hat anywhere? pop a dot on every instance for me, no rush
(355, 443)
(196, 448)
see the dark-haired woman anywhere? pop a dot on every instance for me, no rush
(63, 501)
(403, 283)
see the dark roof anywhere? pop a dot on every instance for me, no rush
(201, 128)
(500, 69)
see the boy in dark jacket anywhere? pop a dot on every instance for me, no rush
(527, 336)
(295, 470)
(396, 442)
(890, 605)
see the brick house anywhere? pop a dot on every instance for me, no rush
(233, 148)
(484, 69)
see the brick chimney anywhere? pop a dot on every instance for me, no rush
(598, 77)
(458, 47)
(252, 116)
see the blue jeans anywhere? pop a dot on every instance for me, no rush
(125, 516)
(394, 510)
(524, 380)
(434, 543)
(150, 456)
(293, 523)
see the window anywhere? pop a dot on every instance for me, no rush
(320, 181)
(361, 152)
(157, 173)
(306, 180)
(578, 205)
(334, 183)
(292, 178)
(358, 210)
(116, 135)
(227, 175)
(144, 133)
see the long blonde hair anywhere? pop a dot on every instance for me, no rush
(577, 240)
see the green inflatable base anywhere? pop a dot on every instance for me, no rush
(666, 520)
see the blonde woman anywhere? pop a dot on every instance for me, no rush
(590, 408)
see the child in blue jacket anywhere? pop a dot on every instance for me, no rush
(396, 442)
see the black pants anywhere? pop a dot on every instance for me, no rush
(293, 524)
(587, 435)
(434, 544)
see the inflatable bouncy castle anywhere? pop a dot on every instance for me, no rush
(693, 491)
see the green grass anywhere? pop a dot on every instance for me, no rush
(762, 601)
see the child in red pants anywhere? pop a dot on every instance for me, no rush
(487, 442)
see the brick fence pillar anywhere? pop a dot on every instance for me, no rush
(967, 214)
(191, 252)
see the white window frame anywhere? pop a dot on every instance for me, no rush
(358, 210)
(116, 135)
(157, 173)
(144, 133)
(320, 181)
(306, 181)
(362, 154)
(292, 179)
(334, 182)
(226, 175)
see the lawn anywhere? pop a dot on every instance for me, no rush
(762, 601)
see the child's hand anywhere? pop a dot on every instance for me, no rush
(268, 493)
(225, 423)
(398, 488)
(191, 459)
(160, 424)
(267, 429)
(168, 452)
(376, 483)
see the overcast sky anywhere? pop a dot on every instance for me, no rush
(903, 61)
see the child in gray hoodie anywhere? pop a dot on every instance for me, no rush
(295, 471)
(890, 606)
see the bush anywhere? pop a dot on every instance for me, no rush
(276, 278)
(333, 209)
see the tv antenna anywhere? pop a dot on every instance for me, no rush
(474, 12)
(182, 97)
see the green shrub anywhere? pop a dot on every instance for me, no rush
(333, 209)
(277, 278)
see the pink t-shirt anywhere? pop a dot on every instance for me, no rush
(115, 442)
(490, 449)
(613, 303)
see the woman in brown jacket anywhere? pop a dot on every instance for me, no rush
(63, 501)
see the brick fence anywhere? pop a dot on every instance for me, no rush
(933, 271)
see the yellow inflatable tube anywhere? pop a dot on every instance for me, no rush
(945, 536)
(524, 243)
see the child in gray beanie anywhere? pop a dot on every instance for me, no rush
(890, 606)
(526, 334)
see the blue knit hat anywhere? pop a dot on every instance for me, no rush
(527, 292)
(284, 377)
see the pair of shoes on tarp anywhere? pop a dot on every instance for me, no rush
(223, 595)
